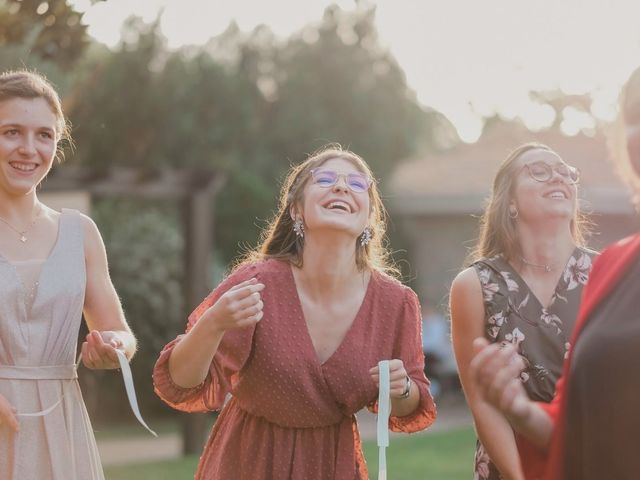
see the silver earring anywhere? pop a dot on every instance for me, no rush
(365, 238)
(298, 228)
(513, 212)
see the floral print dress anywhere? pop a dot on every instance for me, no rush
(513, 314)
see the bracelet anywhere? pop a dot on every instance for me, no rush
(407, 390)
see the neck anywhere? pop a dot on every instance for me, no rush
(18, 210)
(329, 264)
(544, 249)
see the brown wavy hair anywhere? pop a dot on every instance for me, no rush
(498, 234)
(279, 241)
(30, 85)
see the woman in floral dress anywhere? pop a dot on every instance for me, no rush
(590, 429)
(522, 288)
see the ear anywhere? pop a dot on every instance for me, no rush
(293, 212)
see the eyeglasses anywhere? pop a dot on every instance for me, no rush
(543, 172)
(357, 182)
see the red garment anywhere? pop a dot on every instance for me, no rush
(290, 416)
(607, 270)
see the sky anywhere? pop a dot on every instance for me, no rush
(468, 59)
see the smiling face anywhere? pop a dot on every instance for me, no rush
(27, 143)
(540, 201)
(335, 207)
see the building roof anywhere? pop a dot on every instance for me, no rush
(459, 180)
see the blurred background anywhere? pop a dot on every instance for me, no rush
(187, 113)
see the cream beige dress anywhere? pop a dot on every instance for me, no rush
(41, 303)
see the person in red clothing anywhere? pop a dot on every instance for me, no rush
(295, 334)
(590, 429)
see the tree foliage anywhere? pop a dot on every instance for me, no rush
(247, 104)
(51, 29)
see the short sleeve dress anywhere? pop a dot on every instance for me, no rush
(290, 416)
(513, 314)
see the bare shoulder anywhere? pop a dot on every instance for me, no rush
(467, 283)
(92, 238)
(466, 300)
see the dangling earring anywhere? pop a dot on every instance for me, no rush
(513, 212)
(298, 228)
(365, 238)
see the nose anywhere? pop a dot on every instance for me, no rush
(27, 146)
(557, 176)
(341, 184)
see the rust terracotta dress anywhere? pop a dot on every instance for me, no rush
(290, 416)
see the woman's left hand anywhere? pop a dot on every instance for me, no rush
(397, 377)
(99, 350)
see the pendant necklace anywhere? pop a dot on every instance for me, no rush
(22, 233)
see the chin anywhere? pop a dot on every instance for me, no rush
(21, 190)
(337, 228)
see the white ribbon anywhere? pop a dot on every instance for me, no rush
(131, 391)
(384, 409)
(128, 385)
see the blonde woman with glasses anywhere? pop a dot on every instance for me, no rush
(295, 334)
(522, 288)
(590, 430)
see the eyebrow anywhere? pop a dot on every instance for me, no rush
(21, 125)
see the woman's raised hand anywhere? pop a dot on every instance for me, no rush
(495, 370)
(8, 415)
(240, 306)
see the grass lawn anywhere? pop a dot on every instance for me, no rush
(438, 456)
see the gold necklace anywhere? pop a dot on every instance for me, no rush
(547, 268)
(22, 233)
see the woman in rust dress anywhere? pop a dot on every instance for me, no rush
(295, 333)
(523, 289)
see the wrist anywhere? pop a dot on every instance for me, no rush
(407, 389)
(209, 326)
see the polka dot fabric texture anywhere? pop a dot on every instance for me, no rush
(290, 416)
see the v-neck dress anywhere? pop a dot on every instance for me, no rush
(290, 416)
(514, 315)
(38, 339)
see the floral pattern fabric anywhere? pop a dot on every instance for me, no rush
(514, 315)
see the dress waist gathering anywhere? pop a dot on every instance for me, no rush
(47, 372)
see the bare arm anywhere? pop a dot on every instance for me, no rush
(494, 373)
(191, 358)
(103, 313)
(467, 323)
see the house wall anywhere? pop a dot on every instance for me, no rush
(439, 244)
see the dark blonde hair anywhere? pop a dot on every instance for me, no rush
(498, 234)
(278, 239)
(29, 85)
(628, 168)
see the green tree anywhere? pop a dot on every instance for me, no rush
(52, 30)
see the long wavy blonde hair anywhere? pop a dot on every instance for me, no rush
(278, 239)
(498, 234)
(621, 139)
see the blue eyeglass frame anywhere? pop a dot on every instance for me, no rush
(346, 176)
